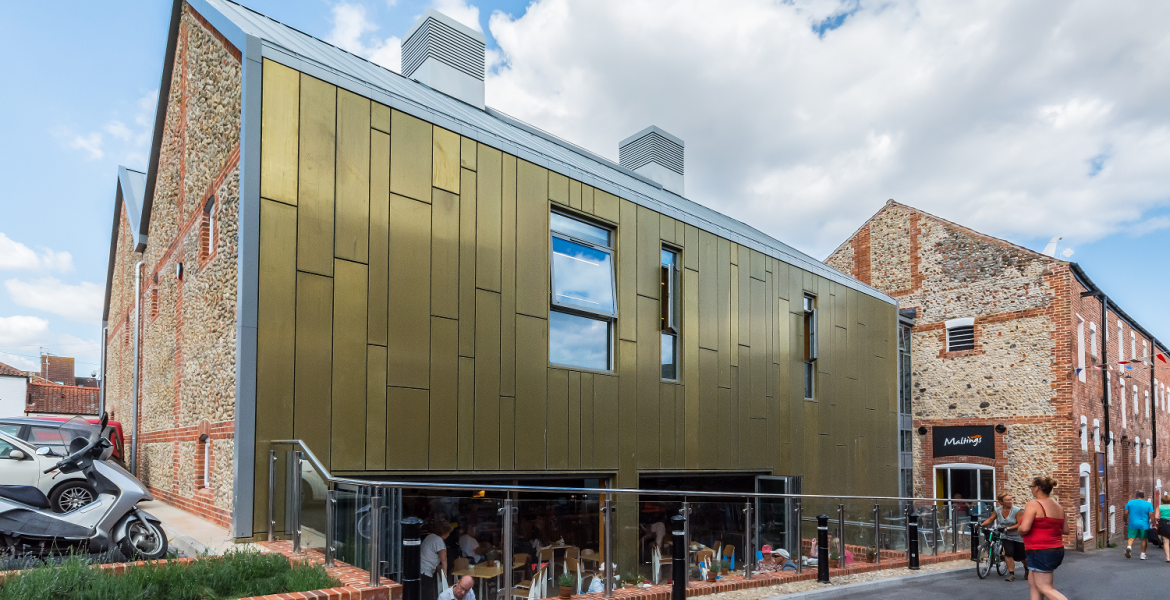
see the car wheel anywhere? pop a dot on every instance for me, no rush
(71, 495)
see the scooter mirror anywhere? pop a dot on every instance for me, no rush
(45, 451)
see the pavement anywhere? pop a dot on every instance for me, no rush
(1097, 574)
(188, 534)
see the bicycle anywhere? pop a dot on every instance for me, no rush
(991, 553)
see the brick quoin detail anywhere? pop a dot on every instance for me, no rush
(861, 255)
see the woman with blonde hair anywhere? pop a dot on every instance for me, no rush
(1007, 516)
(1043, 527)
(1164, 524)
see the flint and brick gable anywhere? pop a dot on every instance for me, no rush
(1022, 371)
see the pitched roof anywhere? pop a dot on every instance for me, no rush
(131, 187)
(260, 36)
(62, 399)
(10, 371)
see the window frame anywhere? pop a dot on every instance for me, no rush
(609, 318)
(811, 346)
(1080, 347)
(671, 306)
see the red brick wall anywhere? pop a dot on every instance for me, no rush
(58, 369)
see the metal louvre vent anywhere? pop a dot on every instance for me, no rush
(651, 148)
(437, 40)
(961, 338)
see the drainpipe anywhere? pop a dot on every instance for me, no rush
(102, 381)
(137, 374)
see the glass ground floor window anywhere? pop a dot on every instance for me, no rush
(971, 486)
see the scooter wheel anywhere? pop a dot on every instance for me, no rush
(143, 542)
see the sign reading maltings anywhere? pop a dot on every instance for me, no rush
(965, 441)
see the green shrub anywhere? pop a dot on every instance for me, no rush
(237, 574)
(566, 580)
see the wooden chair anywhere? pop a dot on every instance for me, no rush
(588, 555)
(520, 563)
(572, 552)
(533, 588)
(704, 556)
(728, 555)
(461, 564)
(658, 561)
(573, 566)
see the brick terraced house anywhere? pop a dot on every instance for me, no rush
(418, 286)
(1021, 367)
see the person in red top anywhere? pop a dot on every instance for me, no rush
(1042, 527)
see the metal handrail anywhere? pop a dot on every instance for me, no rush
(325, 474)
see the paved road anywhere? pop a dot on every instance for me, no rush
(1104, 574)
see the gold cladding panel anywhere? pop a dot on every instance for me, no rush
(279, 122)
(531, 391)
(408, 321)
(532, 239)
(444, 254)
(445, 161)
(649, 377)
(558, 419)
(376, 408)
(558, 188)
(408, 448)
(314, 363)
(379, 236)
(649, 253)
(465, 434)
(349, 364)
(467, 202)
(444, 393)
(487, 380)
(316, 184)
(627, 271)
(380, 117)
(508, 292)
(690, 367)
(353, 177)
(488, 189)
(275, 335)
(410, 156)
(605, 205)
(467, 153)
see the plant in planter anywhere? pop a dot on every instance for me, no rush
(567, 581)
(630, 579)
(714, 570)
(834, 559)
(870, 555)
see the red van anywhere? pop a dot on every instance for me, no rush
(25, 428)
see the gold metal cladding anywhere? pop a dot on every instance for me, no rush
(280, 123)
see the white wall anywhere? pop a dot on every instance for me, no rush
(13, 396)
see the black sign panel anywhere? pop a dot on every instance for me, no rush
(965, 441)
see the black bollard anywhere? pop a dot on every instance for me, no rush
(678, 586)
(411, 547)
(823, 548)
(912, 543)
(974, 537)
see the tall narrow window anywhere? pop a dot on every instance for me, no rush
(1136, 411)
(207, 231)
(583, 305)
(1124, 406)
(1132, 345)
(810, 346)
(1093, 339)
(1080, 348)
(960, 334)
(669, 296)
(1120, 341)
(1147, 397)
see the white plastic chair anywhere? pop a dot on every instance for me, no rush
(534, 588)
(658, 561)
(441, 578)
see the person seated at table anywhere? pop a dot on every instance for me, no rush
(462, 590)
(767, 562)
(783, 559)
(470, 549)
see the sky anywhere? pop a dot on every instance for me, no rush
(1023, 120)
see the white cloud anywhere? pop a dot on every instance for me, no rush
(82, 302)
(15, 255)
(461, 11)
(132, 142)
(351, 24)
(23, 337)
(803, 117)
(90, 143)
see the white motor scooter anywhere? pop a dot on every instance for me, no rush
(29, 527)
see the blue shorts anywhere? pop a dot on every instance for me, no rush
(1045, 561)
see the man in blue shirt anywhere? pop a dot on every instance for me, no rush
(1138, 514)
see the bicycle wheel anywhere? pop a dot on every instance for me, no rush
(983, 565)
(1001, 560)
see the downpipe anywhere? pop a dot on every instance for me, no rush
(137, 372)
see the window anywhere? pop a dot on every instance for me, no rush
(583, 305)
(153, 302)
(960, 334)
(1093, 339)
(1096, 435)
(6, 450)
(1132, 345)
(1109, 449)
(207, 229)
(669, 300)
(1080, 348)
(810, 345)
(1120, 341)
(1136, 412)
(1149, 454)
(1147, 397)
(1145, 350)
(1084, 434)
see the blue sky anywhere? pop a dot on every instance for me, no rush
(1024, 122)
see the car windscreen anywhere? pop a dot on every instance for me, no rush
(10, 429)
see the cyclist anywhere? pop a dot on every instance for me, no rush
(1007, 518)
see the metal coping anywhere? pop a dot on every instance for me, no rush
(531, 488)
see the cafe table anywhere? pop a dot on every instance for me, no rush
(480, 572)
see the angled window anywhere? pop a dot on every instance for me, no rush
(1080, 348)
(960, 334)
(810, 346)
(583, 294)
(669, 302)
(1093, 339)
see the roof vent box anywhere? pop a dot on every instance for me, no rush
(446, 55)
(654, 154)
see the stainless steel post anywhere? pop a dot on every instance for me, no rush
(608, 558)
(296, 502)
(749, 535)
(686, 551)
(954, 528)
(799, 537)
(841, 533)
(330, 525)
(375, 537)
(935, 530)
(877, 534)
(508, 547)
(272, 495)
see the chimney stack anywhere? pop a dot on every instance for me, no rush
(446, 55)
(654, 154)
